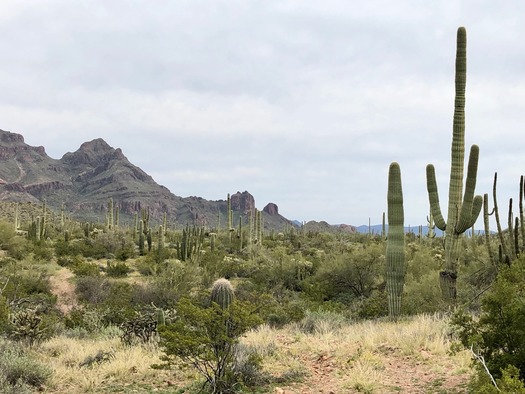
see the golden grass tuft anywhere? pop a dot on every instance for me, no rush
(409, 356)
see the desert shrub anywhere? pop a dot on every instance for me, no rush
(7, 232)
(118, 269)
(19, 247)
(69, 260)
(84, 268)
(348, 274)
(498, 334)
(422, 294)
(275, 306)
(372, 307)
(92, 289)
(19, 371)
(509, 383)
(26, 326)
(321, 322)
(4, 313)
(113, 300)
(42, 252)
(173, 279)
(22, 284)
(207, 338)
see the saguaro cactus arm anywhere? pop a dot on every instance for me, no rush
(471, 206)
(433, 197)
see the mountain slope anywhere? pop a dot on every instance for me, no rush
(86, 179)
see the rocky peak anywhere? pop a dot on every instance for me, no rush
(13, 145)
(243, 202)
(6, 137)
(271, 209)
(92, 154)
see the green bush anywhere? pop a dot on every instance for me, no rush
(118, 269)
(84, 268)
(509, 383)
(207, 338)
(18, 370)
(498, 334)
(4, 313)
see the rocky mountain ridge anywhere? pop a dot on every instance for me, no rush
(84, 181)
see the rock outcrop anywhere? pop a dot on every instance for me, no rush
(242, 202)
(271, 209)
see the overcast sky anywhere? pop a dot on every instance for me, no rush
(302, 103)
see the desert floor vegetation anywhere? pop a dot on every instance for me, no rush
(312, 356)
(96, 313)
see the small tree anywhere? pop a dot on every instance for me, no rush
(207, 338)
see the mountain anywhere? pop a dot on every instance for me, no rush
(84, 181)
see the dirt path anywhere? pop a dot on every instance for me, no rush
(63, 287)
(385, 370)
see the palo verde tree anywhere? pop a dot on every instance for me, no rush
(461, 214)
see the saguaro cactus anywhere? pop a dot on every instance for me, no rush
(395, 247)
(461, 214)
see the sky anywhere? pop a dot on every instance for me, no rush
(302, 103)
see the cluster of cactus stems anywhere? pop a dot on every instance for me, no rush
(512, 241)
(37, 230)
(463, 210)
(190, 244)
(112, 215)
(395, 247)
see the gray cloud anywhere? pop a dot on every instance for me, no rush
(302, 103)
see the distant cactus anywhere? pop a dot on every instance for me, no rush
(229, 213)
(395, 249)
(222, 293)
(141, 238)
(111, 222)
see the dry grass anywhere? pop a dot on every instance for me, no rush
(120, 366)
(411, 356)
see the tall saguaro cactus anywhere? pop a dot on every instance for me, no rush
(463, 210)
(395, 247)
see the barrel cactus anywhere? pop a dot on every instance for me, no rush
(222, 293)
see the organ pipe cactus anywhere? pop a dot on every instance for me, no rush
(222, 293)
(461, 214)
(395, 247)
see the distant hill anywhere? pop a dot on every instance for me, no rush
(84, 181)
(377, 228)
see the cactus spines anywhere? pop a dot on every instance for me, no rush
(222, 293)
(395, 249)
(461, 214)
